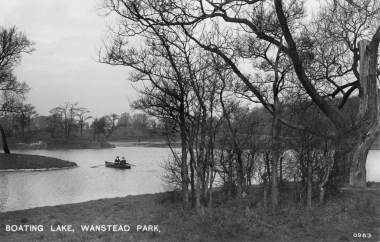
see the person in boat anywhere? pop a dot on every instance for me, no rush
(117, 160)
(123, 161)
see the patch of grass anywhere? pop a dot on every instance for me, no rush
(22, 161)
(229, 220)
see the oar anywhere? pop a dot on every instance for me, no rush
(96, 166)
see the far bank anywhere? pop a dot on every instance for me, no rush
(60, 143)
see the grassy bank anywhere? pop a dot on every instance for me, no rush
(21, 161)
(228, 220)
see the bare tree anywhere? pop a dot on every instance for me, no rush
(25, 114)
(69, 116)
(124, 120)
(82, 116)
(157, 65)
(13, 45)
(101, 126)
(272, 21)
(180, 84)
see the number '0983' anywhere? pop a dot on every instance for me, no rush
(362, 235)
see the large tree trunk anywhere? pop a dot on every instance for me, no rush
(352, 148)
(4, 140)
(358, 159)
(368, 95)
(368, 113)
(276, 129)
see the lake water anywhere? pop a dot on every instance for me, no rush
(373, 166)
(21, 190)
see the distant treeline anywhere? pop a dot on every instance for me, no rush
(70, 121)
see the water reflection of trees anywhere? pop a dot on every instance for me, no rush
(4, 191)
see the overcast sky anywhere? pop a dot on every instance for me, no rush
(68, 35)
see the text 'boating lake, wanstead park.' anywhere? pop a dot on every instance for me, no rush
(82, 228)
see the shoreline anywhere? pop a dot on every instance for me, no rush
(27, 162)
(97, 200)
(52, 149)
(232, 220)
(39, 169)
(147, 143)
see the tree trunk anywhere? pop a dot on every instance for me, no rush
(321, 194)
(184, 166)
(368, 113)
(358, 158)
(230, 191)
(265, 196)
(198, 191)
(23, 125)
(351, 153)
(266, 181)
(276, 129)
(367, 94)
(330, 164)
(200, 167)
(210, 192)
(276, 126)
(192, 171)
(28, 123)
(275, 159)
(4, 140)
(240, 172)
(340, 171)
(267, 166)
(309, 183)
(281, 162)
(211, 168)
(184, 172)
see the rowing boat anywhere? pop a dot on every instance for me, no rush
(119, 166)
